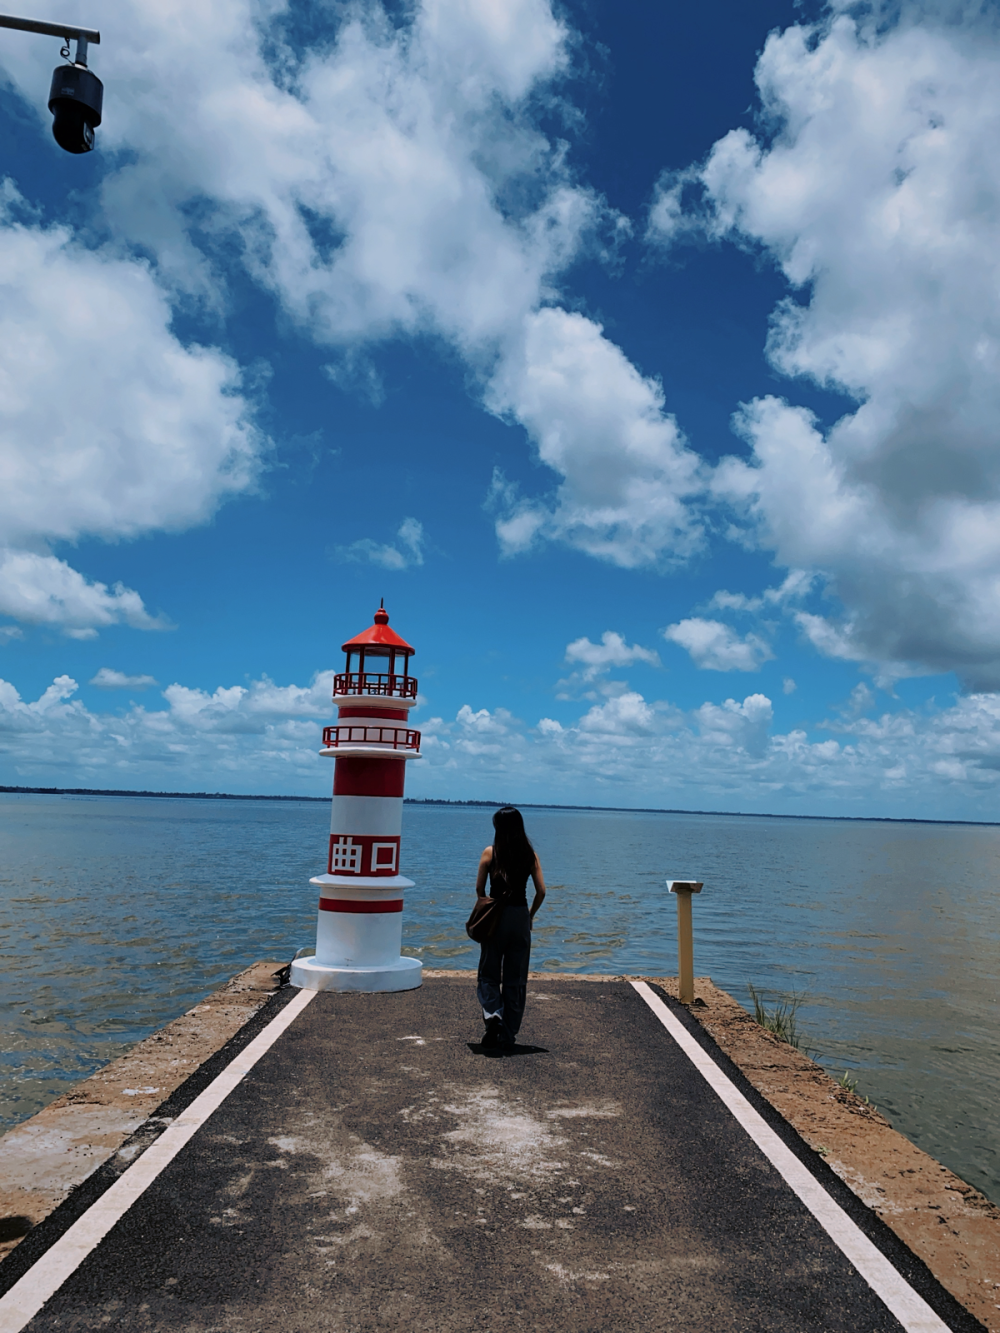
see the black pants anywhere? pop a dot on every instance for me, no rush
(503, 970)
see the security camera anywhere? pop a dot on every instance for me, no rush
(75, 99)
(76, 95)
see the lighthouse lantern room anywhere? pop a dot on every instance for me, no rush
(360, 917)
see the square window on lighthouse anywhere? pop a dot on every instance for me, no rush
(384, 856)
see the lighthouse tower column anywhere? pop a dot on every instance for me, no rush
(360, 920)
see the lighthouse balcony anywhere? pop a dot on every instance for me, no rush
(370, 739)
(376, 685)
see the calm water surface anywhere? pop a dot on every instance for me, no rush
(116, 914)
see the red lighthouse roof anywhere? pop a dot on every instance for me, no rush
(378, 636)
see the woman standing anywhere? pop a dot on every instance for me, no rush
(503, 963)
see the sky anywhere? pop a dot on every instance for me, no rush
(643, 358)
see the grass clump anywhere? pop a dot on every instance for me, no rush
(781, 1019)
(851, 1085)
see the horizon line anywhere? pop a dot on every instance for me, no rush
(527, 805)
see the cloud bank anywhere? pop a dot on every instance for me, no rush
(238, 738)
(876, 190)
(626, 750)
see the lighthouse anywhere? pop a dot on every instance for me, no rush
(360, 919)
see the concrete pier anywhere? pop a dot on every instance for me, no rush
(359, 1162)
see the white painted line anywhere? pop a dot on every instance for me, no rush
(912, 1311)
(27, 1296)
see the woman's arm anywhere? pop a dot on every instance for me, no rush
(483, 871)
(538, 879)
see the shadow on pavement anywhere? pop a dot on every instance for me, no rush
(498, 1052)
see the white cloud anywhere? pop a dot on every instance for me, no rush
(41, 590)
(716, 647)
(734, 601)
(788, 685)
(391, 180)
(612, 651)
(109, 679)
(484, 732)
(355, 373)
(796, 585)
(109, 425)
(626, 717)
(830, 639)
(409, 550)
(877, 193)
(628, 475)
(743, 726)
(670, 220)
(860, 701)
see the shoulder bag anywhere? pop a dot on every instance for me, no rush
(485, 917)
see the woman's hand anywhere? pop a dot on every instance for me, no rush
(538, 879)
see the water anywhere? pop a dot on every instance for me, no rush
(116, 914)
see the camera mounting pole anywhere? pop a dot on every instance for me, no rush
(71, 32)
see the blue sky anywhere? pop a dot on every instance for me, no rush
(645, 363)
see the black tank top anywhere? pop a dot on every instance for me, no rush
(514, 890)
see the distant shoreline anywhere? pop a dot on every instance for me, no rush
(495, 805)
(167, 795)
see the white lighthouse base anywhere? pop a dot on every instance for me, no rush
(402, 974)
(359, 934)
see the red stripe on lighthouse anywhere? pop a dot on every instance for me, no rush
(358, 905)
(364, 710)
(368, 777)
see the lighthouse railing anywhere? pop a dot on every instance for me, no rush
(375, 683)
(346, 733)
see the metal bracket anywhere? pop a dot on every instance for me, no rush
(82, 36)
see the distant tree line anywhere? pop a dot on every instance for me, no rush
(173, 795)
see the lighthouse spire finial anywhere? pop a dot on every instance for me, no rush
(381, 615)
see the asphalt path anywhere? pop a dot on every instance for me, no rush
(378, 1170)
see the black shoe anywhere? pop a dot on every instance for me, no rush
(491, 1037)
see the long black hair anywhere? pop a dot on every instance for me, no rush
(513, 854)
